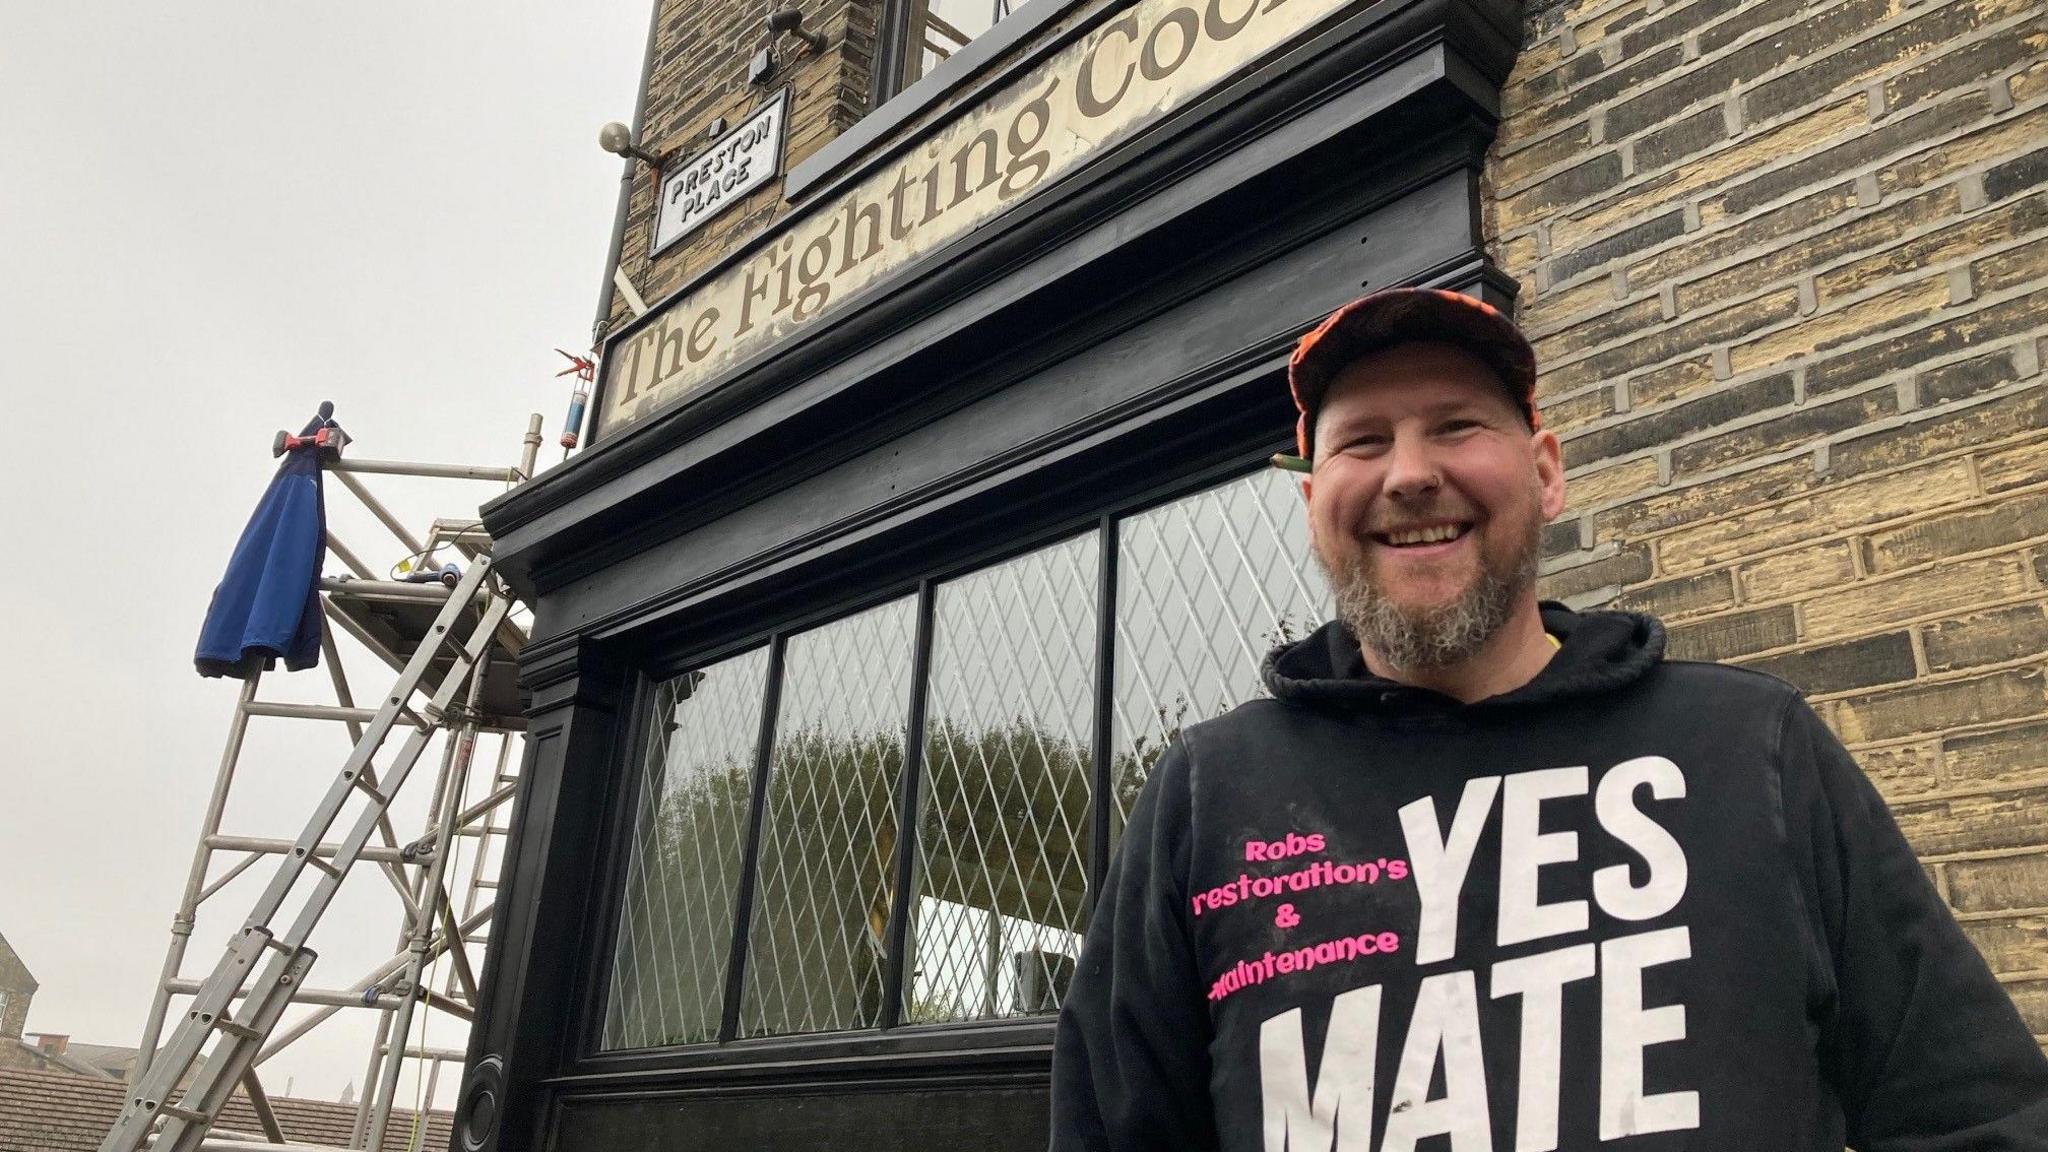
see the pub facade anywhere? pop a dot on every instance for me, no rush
(924, 500)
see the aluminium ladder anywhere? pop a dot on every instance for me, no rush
(457, 648)
(240, 1035)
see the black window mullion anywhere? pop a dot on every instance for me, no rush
(1100, 798)
(906, 813)
(750, 860)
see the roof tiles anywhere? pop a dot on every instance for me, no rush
(57, 1112)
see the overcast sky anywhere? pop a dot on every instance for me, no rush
(213, 216)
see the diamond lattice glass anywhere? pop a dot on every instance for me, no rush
(1002, 833)
(675, 930)
(816, 950)
(1205, 586)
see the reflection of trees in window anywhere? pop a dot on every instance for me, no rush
(824, 880)
(1206, 586)
(1131, 767)
(675, 934)
(1002, 841)
(820, 934)
(1006, 801)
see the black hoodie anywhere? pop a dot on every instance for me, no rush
(1635, 903)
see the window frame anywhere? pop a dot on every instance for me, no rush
(998, 1040)
(967, 74)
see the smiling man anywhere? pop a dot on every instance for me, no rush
(1488, 874)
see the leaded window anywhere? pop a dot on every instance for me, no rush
(675, 935)
(1206, 585)
(1026, 757)
(1004, 807)
(818, 946)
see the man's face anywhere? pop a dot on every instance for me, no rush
(1427, 502)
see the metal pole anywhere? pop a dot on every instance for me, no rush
(419, 1127)
(395, 590)
(228, 877)
(487, 813)
(458, 952)
(225, 842)
(259, 1101)
(368, 1103)
(346, 698)
(415, 1052)
(447, 804)
(426, 471)
(530, 452)
(338, 676)
(437, 815)
(353, 717)
(232, 1144)
(188, 905)
(469, 815)
(327, 997)
(382, 513)
(355, 563)
(284, 1039)
(374, 1112)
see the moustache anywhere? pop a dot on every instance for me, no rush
(1420, 518)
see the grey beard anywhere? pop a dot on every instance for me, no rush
(1431, 638)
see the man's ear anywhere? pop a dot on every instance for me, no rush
(1549, 472)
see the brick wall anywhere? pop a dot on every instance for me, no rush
(701, 52)
(1786, 265)
(17, 988)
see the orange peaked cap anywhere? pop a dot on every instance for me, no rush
(1404, 316)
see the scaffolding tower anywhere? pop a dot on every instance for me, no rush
(450, 634)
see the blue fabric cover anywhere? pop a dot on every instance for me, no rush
(267, 605)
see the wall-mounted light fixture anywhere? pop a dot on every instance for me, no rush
(792, 21)
(617, 139)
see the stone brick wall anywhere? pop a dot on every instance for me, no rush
(26, 1055)
(701, 52)
(17, 988)
(1786, 265)
(13, 1012)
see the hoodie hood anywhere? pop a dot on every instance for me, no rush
(1598, 652)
